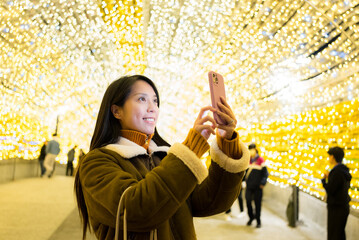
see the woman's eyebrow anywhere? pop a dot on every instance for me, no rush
(144, 94)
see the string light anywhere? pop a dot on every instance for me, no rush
(296, 146)
(23, 140)
(281, 60)
(57, 57)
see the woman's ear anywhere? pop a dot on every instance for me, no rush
(116, 111)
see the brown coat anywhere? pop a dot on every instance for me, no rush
(166, 197)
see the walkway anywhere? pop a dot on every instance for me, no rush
(44, 209)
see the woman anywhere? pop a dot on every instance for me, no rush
(169, 185)
(256, 179)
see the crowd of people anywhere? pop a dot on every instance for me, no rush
(48, 153)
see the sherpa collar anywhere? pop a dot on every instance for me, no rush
(129, 149)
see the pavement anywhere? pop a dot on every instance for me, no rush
(45, 209)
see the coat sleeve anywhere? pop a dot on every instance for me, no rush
(223, 184)
(150, 201)
(265, 175)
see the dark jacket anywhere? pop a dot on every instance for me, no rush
(71, 155)
(257, 173)
(169, 187)
(42, 153)
(338, 185)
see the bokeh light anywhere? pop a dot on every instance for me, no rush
(290, 67)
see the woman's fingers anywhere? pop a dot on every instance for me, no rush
(205, 129)
(200, 124)
(224, 107)
(204, 109)
(226, 112)
(224, 102)
(230, 120)
(208, 128)
(206, 119)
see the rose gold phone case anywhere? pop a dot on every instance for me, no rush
(216, 85)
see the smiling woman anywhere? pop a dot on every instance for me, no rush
(163, 187)
(124, 102)
(140, 112)
(291, 70)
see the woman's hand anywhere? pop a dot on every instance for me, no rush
(226, 114)
(200, 126)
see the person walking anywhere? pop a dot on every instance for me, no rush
(256, 178)
(336, 184)
(42, 159)
(81, 154)
(52, 150)
(131, 173)
(70, 161)
(241, 207)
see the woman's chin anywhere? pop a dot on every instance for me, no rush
(148, 131)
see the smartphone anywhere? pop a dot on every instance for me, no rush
(216, 86)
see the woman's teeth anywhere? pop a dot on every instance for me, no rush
(149, 119)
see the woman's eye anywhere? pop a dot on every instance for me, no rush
(155, 100)
(142, 99)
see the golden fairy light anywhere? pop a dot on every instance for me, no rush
(284, 63)
(296, 146)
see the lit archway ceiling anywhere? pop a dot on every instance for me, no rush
(277, 57)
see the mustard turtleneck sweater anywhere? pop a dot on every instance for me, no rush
(139, 138)
(194, 141)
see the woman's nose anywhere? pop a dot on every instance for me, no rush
(151, 107)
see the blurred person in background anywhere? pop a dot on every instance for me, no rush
(70, 161)
(229, 213)
(336, 184)
(52, 150)
(42, 158)
(255, 179)
(81, 154)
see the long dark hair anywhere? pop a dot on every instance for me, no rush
(108, 130)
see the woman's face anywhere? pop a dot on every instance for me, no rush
(140, 111)
(253, 152)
